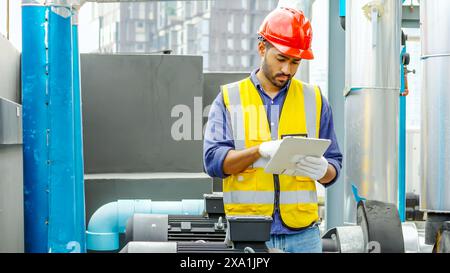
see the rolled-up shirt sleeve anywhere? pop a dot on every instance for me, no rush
(333, 154)
(218, 140)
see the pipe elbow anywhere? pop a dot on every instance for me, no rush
(110, 219)
(103, 232)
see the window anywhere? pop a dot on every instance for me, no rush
(139, 47)
(205, 27)
(230, 60)
(261, 5)
(205, 44)
(245, 44)
(244, 4)
(140, 37)
(191, 32)
(173, 39)
(245, 60)
(245, 25)
(130, 11)
(230, 23)
(140, 26)
(230, 43)
(188, 10)
(142, 11)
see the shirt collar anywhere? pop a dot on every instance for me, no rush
(259, 87)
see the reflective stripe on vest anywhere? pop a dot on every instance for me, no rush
(237, 120)
(298, 197)
(248, 197)
(267, 197)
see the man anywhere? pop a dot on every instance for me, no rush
(246, 123)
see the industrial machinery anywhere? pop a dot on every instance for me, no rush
(443, 239)
(209, 227)
(378, 230)
(245, 234)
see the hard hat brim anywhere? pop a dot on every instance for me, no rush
(294, 52)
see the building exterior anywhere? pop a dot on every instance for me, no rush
(223, 32)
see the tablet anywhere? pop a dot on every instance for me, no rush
(291, 150)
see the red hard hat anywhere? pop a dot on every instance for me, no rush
(289, 31)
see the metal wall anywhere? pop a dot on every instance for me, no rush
(435, 169)
(127, 104)
(128, 145)
(11, 162)
(372, 102)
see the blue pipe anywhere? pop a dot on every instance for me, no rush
(54, 221)
(78, 135)
(342, 7)
(35, 124)
(402, 146)
(111, 219)
(61, 143)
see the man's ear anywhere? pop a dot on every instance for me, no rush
(262, 49)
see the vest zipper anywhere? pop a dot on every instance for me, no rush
(276, 181)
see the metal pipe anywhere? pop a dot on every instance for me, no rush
(7, 19)
(435, 118)
(372, 101)
(111, 219)
(334, 215)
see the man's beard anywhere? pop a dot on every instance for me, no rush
(272, 78)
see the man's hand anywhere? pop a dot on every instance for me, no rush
(269, 148)
(313, 167)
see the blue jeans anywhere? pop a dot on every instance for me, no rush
(307, 241)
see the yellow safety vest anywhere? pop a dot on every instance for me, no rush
(252, 192)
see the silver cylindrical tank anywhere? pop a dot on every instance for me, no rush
(435, 167)
(373, 46)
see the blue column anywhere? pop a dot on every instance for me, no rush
(402, 146)
(78, 136)
(54, 201)
(342, 7)
(35, 124)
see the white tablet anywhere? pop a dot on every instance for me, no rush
(291, 150)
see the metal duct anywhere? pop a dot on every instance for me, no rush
(435, 169)
(373, 44)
